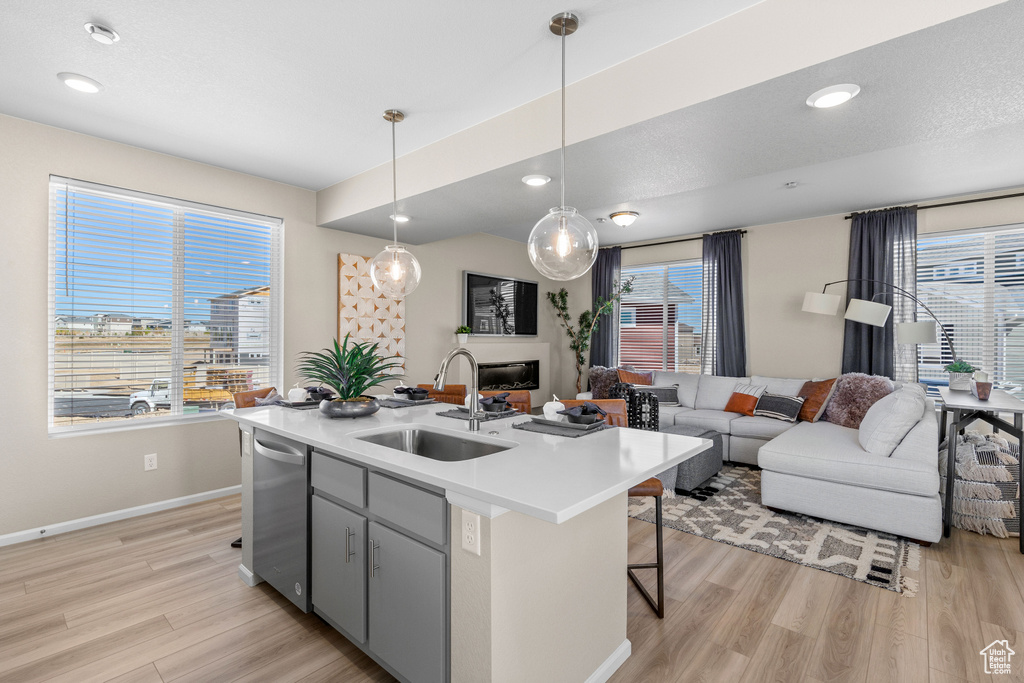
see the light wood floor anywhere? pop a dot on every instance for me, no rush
(157, 598)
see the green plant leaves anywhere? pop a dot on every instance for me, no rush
(350, 368)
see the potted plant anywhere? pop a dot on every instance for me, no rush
(350, 369)
(462, 333)
(960, 372)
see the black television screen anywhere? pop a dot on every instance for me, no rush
(499, 305)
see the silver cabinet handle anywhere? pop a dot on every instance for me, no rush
(374, 547)
(348, 545)
(290, 457)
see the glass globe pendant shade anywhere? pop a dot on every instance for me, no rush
(395, 271)
(563, 244)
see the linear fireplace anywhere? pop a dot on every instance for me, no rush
(523, 374)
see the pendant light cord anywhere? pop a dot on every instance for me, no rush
(394, 183)
(563, 115)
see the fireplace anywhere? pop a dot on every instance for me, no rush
(523, 374)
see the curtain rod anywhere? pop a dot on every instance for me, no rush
(936, 206)
(685, 239)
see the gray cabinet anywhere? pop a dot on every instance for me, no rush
(339, 566)
(407, 604)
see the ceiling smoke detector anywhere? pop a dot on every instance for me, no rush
(102, 34)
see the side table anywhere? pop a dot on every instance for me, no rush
(966, 408)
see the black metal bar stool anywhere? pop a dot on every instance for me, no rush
(651, 487)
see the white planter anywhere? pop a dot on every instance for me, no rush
(960, 381)
(463, 338)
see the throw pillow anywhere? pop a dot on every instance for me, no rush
(816, 396)
(601, 380)
(744, 398)
(667, 396)
(640, 378)
(890, 419)
(779, 407)
(855, 392)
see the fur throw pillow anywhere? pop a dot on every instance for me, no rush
(854, 394)
(602, 379)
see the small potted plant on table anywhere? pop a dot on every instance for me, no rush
(350, 368)
(462, 333)
(960, 372)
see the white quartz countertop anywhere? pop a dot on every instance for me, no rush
(548, 477)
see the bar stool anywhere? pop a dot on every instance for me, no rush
(618, 415)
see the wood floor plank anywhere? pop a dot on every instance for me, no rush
(781, 656)
(953, 624)
(29, 630)
(843, 647)
(713, 663)
(996, 596)
(144, 674)
(684, 576)
(359, 669)
(905, 614)
(897, 657)
(803, 607)
(936, 676)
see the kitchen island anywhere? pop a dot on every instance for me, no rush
(543, 594)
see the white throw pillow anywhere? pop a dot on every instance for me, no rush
(890, 419)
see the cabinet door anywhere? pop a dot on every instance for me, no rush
(339, 566)
(408, 629)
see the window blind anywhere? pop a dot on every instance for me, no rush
(159, 308)
(660, 320)
(974, 283)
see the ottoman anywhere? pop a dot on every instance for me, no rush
(691, 474)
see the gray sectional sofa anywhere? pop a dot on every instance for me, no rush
(819, 469)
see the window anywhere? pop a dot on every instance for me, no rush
(663, 311)
(159, 308)
(973, 282)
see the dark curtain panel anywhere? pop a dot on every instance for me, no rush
(883, 246)
(724, 338)
(604, 277)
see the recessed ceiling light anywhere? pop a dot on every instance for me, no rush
(833, 95)
(791, 184)
(79, 82)
(624, 219)
(399, 218)
(536, 180)
(102, 34)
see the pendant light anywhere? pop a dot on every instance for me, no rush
(563, 244)
(395, 271)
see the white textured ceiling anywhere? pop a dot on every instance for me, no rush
(294, 90)
(941, 113)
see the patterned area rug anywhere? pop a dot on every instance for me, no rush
(733, 514)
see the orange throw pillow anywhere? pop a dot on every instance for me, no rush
(816, 396)
(744, 399)
(642, 378)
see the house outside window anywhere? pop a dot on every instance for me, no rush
(160, 309)
(660, 320)
(973, 282)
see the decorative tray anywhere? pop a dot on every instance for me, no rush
(568, 425)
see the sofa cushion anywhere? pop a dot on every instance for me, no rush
(779, 385)
(816, 395)
(830, 452)
(758, 427)
(717, 420)
(922, 442)
(713, 392)
(890, 419)
(855, 393)
(687, 385)
(667, 415)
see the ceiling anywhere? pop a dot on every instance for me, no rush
(941, 113)
(294, 91)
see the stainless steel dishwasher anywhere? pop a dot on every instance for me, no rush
(280, 501)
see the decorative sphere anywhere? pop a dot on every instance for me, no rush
(563, 244)
(395, 271)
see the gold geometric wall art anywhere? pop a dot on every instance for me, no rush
(366, 312)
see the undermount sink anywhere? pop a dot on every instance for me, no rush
(434, 445)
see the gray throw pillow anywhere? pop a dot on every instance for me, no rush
(779, 407)
(667, 396)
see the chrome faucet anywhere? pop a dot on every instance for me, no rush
(474, 385)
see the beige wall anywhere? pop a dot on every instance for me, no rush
(782, 261)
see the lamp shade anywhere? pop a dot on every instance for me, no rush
(818, 302)
(563, 244)
(395, 271)
(868, 312)
(922, 332)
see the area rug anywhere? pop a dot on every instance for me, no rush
(734, 515)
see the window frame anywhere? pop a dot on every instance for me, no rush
(179, 324)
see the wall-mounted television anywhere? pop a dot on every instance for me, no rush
(496, 305)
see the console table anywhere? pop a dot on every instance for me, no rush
(966, 408)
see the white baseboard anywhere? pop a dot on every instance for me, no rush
(612, 664)
(106, 517)
(247, 576)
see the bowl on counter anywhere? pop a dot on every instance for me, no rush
(583, 419)
(495, 407)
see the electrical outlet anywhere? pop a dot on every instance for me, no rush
(150, 461)
(471, 532)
